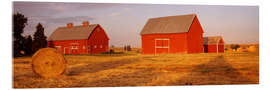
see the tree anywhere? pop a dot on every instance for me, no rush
(128, 48)
(235, 46)
(28, 45)
(19, 22)
(39, 38)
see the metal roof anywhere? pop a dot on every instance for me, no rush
(211, 40)
(169, 24)
(73, 33)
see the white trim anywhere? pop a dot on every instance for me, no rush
(162, 39)
(74, 43)
(74, 47)
(65, 50)
(162, 47)
(57, 46)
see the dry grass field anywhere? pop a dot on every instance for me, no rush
(132, 69)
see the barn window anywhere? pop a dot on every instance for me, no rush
(100, 46)
(83, 47)
(74, 47)
(95, 46)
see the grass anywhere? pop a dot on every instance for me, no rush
(133, 69)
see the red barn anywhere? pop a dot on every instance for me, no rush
(84, 39)
(213, 44)
(172, 34)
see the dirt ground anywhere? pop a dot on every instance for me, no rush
(144, 70)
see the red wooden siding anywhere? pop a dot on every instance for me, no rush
(96, 43)
(177, 43)
(195, 37)
(214, 48)
(190, 42)
(70, 46)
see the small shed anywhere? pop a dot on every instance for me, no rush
(213, 44)
(172, 34)
(82, 39)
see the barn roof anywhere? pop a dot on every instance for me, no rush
(73, 33)
(211, 40)
(169, 24)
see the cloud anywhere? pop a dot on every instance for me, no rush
(50, 23)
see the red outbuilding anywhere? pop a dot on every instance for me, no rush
(214, 44)
(172, 34)
(84, 39)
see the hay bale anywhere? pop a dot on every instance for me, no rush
(239, 49)
(47, 62)
(229, 50)
(252, 49)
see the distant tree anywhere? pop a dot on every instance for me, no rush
(112, 46)
(235, 46)
(111, 51)
(19, 22)
(28, 45)
(127, 48)
(39, 38)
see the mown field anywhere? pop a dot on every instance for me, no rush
(132, 69)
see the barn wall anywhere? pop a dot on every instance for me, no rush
(211, 48)
(221, 46)
(195, 37)
(70, 46)
(98, 41)
(177, 43)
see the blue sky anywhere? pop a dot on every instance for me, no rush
(123, 22)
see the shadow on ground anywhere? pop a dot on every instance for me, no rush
(138, 78)
(93, 67)
(216, 72)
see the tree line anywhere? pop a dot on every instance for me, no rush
(25, 46)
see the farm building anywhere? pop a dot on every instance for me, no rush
(172, 34)
(84, 39)
(214, 44)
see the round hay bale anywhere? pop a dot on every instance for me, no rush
(252, 49)
(239, 49)
(47, 62)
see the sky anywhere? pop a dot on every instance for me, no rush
(124, 22)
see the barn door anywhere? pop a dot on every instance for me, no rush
(162, 46)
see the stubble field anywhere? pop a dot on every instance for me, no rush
(105, 70)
